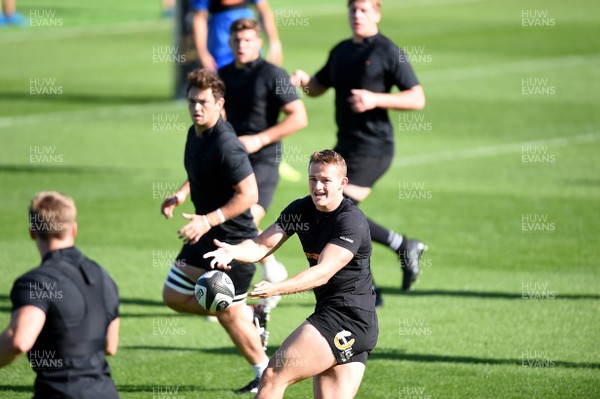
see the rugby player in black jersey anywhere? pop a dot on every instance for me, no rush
(65, 312)
(334, 342)
(257, 92)
(362, 71)
(223, 188)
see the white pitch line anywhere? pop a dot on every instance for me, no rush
(35, 34)
(442, 75)
(83, 114)
(481, 152)
(508, 68)
(329, 9)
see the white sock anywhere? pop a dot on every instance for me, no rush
(260, 368)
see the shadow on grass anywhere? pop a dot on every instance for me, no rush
(156, 390)
(169, 391)
(142, 302)
(229, 350)
(543, 363)
(487, 294)
(86, 98)
(59, 168)
(16, 388)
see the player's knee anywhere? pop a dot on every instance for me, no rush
(170, 300)
(269, 376)
(228, 316)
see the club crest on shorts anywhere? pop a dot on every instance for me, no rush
(344, 344)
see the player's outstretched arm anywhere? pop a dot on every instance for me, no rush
(309, 84)
(248, 251)
(25, 327)
(275, 55)
(406, 100)
(332, 259)
(174, 200)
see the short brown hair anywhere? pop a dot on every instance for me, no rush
(329, 157)
(51, 214)
(244, 24)
(205, 79)
(376, 3)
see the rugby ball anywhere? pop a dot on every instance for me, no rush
(214, 290)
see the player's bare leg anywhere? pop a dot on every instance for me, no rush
(339, 382)
(243, 333)
(357, 193)
(239, 328)
(184, 300)
(409, 250)
(303, 354)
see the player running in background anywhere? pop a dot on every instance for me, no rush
(223, 188)
(65, 312)
(256, 93)
(333, 344)
(362, 71)
(212, 19)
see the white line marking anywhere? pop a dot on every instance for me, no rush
(35, 34)
(84, 114)
(521, 67)
(481, 152)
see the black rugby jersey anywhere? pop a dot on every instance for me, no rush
(80, 300)
(215, 163)
(347, 227)
(376, 65)
(254, 97)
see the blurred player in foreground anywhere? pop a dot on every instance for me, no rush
(333, 344)
(257, 92)
(223, 188)
(362, 71)
(65, 312)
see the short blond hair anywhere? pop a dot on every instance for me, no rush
(376, 3)
(51, 214)
(329, 157)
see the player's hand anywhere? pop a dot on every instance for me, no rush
(208, 62)
(362, 100)
(275, 55)
(299, 78)
(222, 256)
(194, 230)
(169, 204)
(263, 289)
(251, 143)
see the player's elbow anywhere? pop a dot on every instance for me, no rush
(250, 198)
(301, 118)
(17, 347)
(418, 102)
(111, 350)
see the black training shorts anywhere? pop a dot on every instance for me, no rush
(365, 170)
(350, 332)
(266, 170)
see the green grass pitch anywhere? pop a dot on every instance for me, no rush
(499, 174)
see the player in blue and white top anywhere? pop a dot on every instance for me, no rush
(212, 19)
(334, 342)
